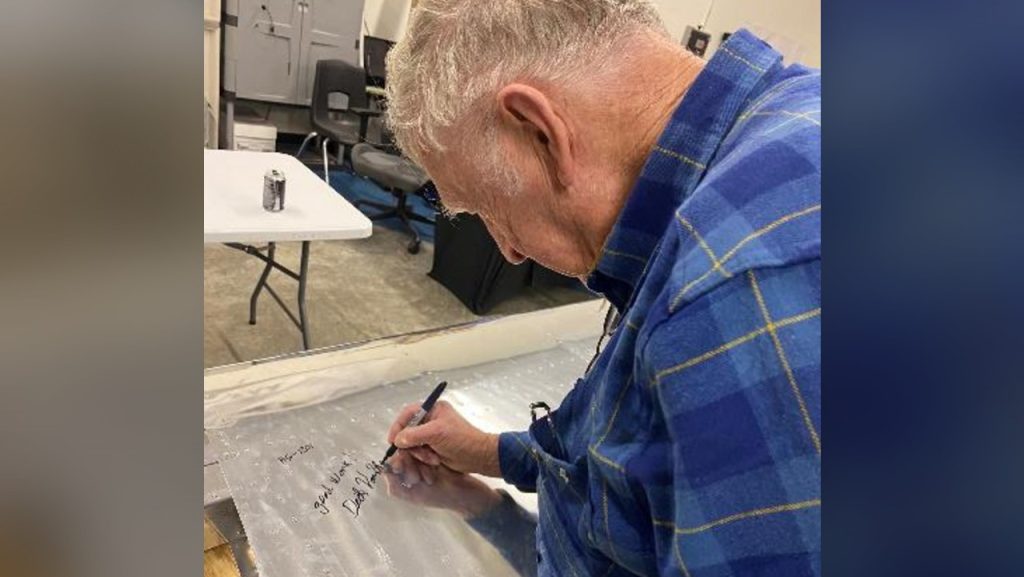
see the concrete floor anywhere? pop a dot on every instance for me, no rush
(357, 291)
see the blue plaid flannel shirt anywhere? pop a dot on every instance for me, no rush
(692, 446)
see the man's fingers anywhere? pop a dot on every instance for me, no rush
(399, 423)
(425, 455)
(439, 408)
(401, 461)
(424, 434)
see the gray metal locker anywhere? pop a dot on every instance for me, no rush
(330, 31)
(276, 45)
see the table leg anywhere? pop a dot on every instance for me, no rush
(302, 322)
(303, 273)
(327, 171)
(262, 283)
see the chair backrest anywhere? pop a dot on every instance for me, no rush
(337, 76)
(375, 50)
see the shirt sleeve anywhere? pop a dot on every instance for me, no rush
(517, 461)
(735, 377)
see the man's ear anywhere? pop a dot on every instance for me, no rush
(529, 110)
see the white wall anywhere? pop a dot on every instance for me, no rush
(793, 27)
(386, 18)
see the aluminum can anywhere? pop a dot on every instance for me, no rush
(273, 190)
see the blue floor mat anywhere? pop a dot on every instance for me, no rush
(354, 188)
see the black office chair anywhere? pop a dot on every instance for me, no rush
(375, 52)
(392, 172)
(399, 176)
(334, 77)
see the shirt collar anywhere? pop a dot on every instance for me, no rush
(677, 163)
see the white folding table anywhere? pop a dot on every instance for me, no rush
(233, 214)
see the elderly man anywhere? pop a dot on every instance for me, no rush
(688, 194)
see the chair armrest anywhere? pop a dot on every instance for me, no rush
(365, 111)
(364, 118)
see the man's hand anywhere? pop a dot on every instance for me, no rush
(444, 438)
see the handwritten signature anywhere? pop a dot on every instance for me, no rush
(358, 496)
(364, 477)
(334, 478)
(287, 457)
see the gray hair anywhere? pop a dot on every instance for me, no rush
(457, 52)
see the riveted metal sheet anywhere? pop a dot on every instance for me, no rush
(311, 505)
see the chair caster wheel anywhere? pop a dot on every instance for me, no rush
(414, 247)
